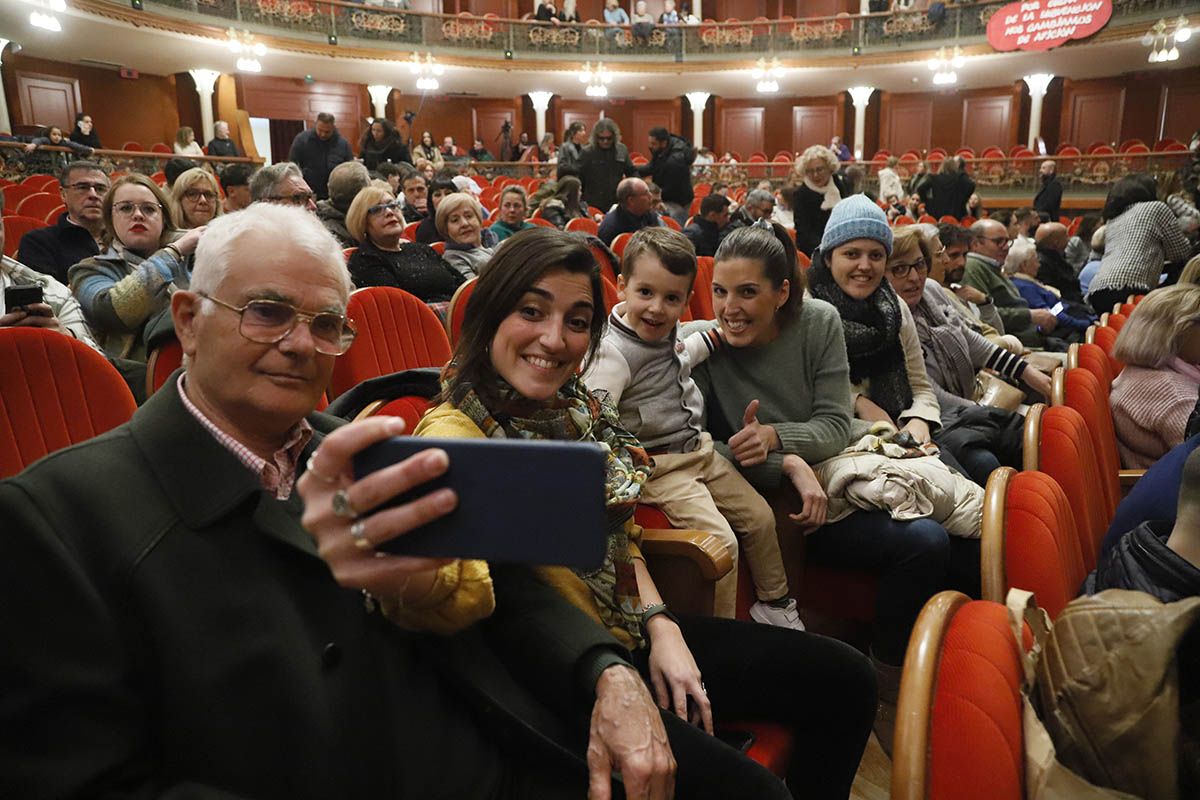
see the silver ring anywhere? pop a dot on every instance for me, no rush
(311, 468)
(702, 687)
(358, 532)
(342, 506)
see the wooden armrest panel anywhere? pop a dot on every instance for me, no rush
(685, 566)
(1129, 477)
(707, 552)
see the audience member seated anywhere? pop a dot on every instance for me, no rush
(632, 212)
(282, 183)
(1156, 391)
(1095, 260)
(1051, 240)
(984, 271)
(514, 208)
(221, 144)
(840, 149)
(1079, 245)
(1141, 235)
(384, 258)
(469, 246)
(58, 311)
(416, 197)
(974, 307)
(602, 165)
(175, 167)
(819, 191)
(195, 199)
(479, 152)
(947, 192)
(235, 180)
(980, 438)
(77, 233)
(427, 232)
(783, 209)
(1023, 265)
(428, 150)
(186, 144)
(645, 366)
(135, 611)
(382, 143)
(395, 174)
(426, 170)
(1159, 557)
(759, 204)
(1021, 223)
(1153, 496)
(127, 287)
(785, 355)
(84, 131)
(346, 180)
(53, 162)
(565, 203)
(710, 226)
(670, 168)
(542, 297)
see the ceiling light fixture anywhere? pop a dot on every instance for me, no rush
(243, 42)
(767, 75)
(597, 79)
(945, 65)
(246, 64)
(426, 70)
(1164, 37)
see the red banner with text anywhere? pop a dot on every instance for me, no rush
(1043, 24)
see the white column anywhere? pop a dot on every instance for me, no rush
(860, 96)
(379, 97)
(1037, 83)
(205, 80)
(698, 100)
(541, 103)
(5, 125)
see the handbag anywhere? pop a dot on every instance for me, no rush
(992, 390)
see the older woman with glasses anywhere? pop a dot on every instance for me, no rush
(195, 199)
(953, 353)
(819, 191)
(385, 258)
(125, 288)
(460, 220)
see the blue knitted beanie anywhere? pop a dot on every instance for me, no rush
(856, 217)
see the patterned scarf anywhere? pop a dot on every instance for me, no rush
(575, 415)
(943, 339)
(872, 328)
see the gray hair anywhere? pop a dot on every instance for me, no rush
(262, 185)
(224, 235)
(819, 152)
(758, 196)
(1018, 253)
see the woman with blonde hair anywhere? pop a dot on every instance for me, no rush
(459, 220)
(819, 190)
(1153, 396)
(185, 142)
(195, 199)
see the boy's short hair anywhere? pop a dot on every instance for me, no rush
(672, 249)
(714, 204)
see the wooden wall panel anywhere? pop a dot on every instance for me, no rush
(48, 99)
(987, 120)
(1092, 112)
(741, 130)
(906, 122)
(816, 124)
(651, 115)
(1181, 117)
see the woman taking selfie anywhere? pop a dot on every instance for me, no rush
(536, 316)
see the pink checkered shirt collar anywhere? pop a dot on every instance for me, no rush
(278, 475)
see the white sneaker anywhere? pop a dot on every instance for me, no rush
(786, 617)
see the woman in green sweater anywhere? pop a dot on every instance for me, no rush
(778, 398)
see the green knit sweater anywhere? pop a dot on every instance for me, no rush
(802, 383)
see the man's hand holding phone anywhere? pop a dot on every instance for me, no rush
(25, 307)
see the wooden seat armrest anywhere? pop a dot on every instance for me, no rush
(370, 409)
(709, 554)
(1129, 477)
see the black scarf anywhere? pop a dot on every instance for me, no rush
(872, 328)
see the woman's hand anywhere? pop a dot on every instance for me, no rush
(186, 244)
(865, 408)
(674, 674)
(628, 736)
(330, 470)
(754, 441)
(816, 502)
(919, 429)
(1038, 381)
(29, 148)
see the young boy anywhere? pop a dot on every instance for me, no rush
(647, 373)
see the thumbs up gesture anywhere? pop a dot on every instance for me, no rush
(751, 444)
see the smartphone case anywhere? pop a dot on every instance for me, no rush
(519, 501)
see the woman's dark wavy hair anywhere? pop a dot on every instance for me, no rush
(773, 248)
(1137, 187)
(521, 261)
(390, 134)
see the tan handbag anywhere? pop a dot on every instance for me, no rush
(992, 390)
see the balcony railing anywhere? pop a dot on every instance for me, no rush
(816, 37)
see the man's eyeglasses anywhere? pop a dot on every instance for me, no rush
(83, 187)
(818, 170)
(297, 199)
(270, 321)
(999, 241)
(902, 270)
(126, 209)
(379, 208)
(195, 195)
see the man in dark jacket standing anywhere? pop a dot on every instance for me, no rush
(670, 168)
(1049, 196)
(946, 193)
(602, 165)
(317, 151)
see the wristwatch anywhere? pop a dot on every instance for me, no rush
(649, 612)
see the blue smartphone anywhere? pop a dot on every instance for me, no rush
(519, 501)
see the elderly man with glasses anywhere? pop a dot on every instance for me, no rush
(282, 183)
(201, 631)
(77, 233)
(984, 271)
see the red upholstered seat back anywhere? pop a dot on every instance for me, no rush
(1084, 393)
(164, 359)
(456, 315)
(1066, 454)
(1117, 321)
(583, 225)
(1093, 359)
(15, 227)
(1106, 337)
(701, 303)
(54, 391)
(1041, 541)
(396, 331)
(611, 297)
(975, 737)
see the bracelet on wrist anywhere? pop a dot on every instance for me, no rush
(649, 612)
